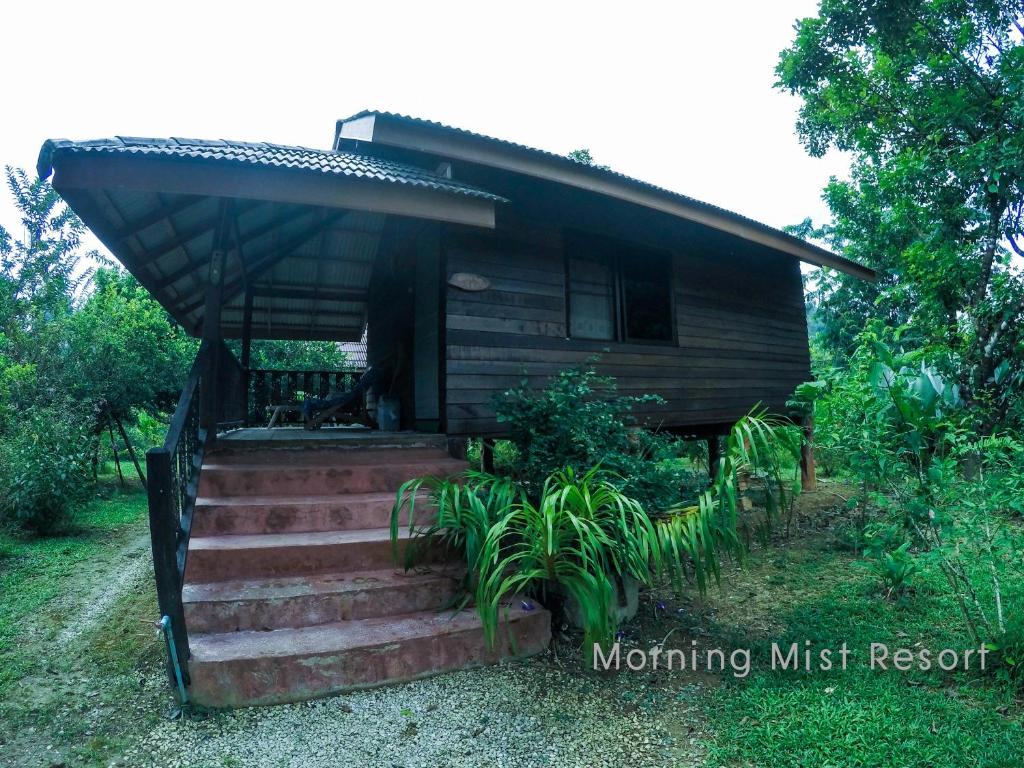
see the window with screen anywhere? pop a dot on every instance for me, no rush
(617, 291)
(591, 298)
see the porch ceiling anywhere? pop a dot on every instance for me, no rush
(301, 228)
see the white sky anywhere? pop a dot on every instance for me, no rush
(679, 94)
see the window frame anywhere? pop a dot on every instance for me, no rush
(614, 248)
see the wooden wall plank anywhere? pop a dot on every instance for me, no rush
(740, 342)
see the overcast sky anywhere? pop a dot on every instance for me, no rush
(678, 94)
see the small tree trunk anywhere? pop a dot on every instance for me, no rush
(113, 447)
(131, 451)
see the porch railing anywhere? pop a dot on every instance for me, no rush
(213, 400)
(270, 387)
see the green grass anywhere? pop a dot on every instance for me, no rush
(86, 695)
(91, 703)
(857, 717)
(34, 571)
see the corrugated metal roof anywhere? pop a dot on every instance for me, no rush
(264, 154)
(812, 249)
(569, 162)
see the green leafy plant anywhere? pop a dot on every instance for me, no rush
(579, 420)
(44, 469)
(944, 495)
(691, 536)
(457, 513)
(896, 568)
(583, 533)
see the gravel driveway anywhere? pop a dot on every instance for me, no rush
(533, 713)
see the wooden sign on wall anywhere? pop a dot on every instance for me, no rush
(467, 281)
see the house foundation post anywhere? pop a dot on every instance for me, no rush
(808, 474)
(209, 389)
(714, 455)
(487, 455)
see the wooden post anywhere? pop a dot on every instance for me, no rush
(714, 456)
(163, 533)
(246, 349)
(808, 475)
(458, 447)
(486, 455)
(209, 413)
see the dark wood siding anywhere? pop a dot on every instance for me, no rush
(742, 335)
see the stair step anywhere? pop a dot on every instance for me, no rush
(219, 515)
(277, 480)
(252, 668)
(242, 440)
(328, 456)
(298, 601)
(245, 556)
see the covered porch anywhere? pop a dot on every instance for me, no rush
(243, 241)
(240, 242)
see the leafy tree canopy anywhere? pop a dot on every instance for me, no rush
(584, 157)
(296, 355)
(42, 271)
(928, 97)
(123, 352)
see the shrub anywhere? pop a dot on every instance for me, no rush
(1008, 646)
(460, 514)
(44, 468)
(946, 497)
(579, 421)
(582, 533)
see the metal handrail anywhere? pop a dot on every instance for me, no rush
(206, 403)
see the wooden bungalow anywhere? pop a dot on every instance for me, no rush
(468, 262)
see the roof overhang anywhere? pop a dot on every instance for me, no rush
(301, 227)
(455, 144)
(172, 175)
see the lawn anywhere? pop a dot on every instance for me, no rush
(82, 680)
(77, 645)
(861, 716)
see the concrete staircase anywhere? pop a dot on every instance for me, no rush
(290, 588)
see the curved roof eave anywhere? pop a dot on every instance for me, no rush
(262, 171)
(301, 225)
(435, 138)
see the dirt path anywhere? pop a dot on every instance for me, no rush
(95, 677)
(87, 602)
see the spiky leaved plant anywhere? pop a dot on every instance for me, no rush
(692, 537)
(581, 535)
(457, 513)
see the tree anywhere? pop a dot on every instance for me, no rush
(123, 351)
(928, 97)
(43, 271)
(79, 345)
(584, 157)
(297, 355)
(40, 273)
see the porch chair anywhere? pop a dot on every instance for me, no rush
(350, 406)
